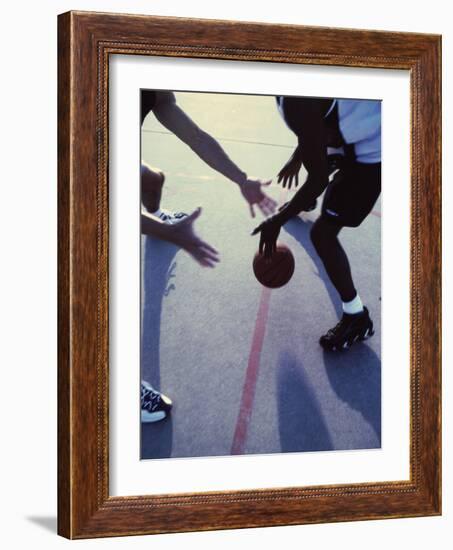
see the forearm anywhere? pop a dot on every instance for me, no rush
(152, 226)
(305, 196)
(205, 146)
(211, 152)
(305, 117)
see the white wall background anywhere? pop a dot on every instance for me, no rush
(28, 124)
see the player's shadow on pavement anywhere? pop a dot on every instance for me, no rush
(300, 420)
(158, 281)
(355, 375)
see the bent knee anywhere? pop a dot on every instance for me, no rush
(323, 234)
(316, 235)
(150, 177)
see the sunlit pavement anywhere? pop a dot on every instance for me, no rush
(242, 364)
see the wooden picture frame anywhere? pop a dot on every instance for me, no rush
(85, 41)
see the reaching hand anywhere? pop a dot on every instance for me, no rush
(290, 172)
(253, 193)
(270, 230)
(183, 235)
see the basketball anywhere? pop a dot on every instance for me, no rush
(276, 271)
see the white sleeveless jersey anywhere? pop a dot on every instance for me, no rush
(360, 125)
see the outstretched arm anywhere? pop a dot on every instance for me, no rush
(181, 234)
(170, 115)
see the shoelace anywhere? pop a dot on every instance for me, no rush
(334, 331)
(337, 328)
(149, 399)
(176, 215)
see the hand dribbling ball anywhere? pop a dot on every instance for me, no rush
(276, 271)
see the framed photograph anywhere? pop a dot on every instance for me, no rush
(249, 275)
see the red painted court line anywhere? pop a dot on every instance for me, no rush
(251, 376)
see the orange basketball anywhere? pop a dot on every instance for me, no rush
(275, 271)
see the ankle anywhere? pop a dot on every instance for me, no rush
(353, 306)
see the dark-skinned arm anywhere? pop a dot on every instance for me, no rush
(305, 117)
(172, 117)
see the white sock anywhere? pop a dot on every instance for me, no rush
(354, 306)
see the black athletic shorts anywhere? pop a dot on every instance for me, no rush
(352, 193)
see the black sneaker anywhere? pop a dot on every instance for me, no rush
(154, 405)
(350, 329)
(171, 218)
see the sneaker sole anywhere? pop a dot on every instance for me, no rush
(369, 332)
(148, 418)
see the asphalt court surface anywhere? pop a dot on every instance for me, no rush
(241, 363)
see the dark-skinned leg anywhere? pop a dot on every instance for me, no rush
(151, 182)
(352, 327)
(324, 236)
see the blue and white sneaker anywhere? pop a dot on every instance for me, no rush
(170, 217)
(155, 406)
